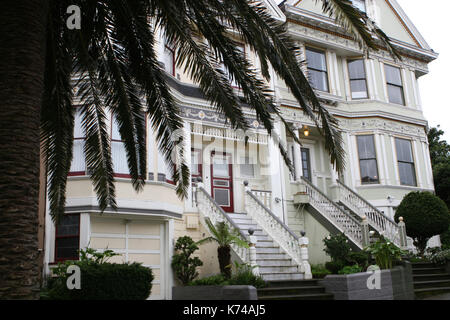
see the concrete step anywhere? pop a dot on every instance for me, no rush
(263, 238)
(276, 256)
(434, 270)
(431, 284)
(268, 250)
(275, 262)
(281, 276)
(431, 277)
(266, 243)
(421, 293)
(258, 232)
(278, 269)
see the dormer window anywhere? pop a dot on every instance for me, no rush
(359, 4)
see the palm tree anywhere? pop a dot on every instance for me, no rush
(113, 57)
(225, 238)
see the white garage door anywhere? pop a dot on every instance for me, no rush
(135, 241)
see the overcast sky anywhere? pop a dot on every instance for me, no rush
(430, 18)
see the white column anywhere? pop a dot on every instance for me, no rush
(348, 91)
(374, 80)
(370, 79)
(336, 73)
(395, 161)
(383, 77)
(406, 89)
(187, 159)
(384, 153)
(331, 75)
(276, 172)
(85, 230)
(150, 150)
(297, 156)
(417, 163)
(380, 160)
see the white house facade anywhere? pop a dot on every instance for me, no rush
(377, 103)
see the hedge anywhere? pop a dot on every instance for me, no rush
(106, 281)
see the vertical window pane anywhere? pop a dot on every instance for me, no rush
(247, 168)
(393, 75)
(78, 129)
(78, 164)
(306, 163)
(395, 94)
(317, 69)
(119, 157)
(356, 69)
(357, 74)
(359, 89)
(406, 167)
(67, 238)
(367, 159)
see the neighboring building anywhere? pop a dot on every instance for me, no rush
(377, 103)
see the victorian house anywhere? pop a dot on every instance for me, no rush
(248, 185)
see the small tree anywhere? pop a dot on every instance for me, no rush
(224, 237)
(425, 215)
(183, 264)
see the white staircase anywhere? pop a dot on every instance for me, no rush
(273, 262)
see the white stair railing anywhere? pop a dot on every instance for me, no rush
(377, 220)
(208, 208)
(292, 244)
(347, 224)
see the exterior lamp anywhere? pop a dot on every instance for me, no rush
(306, 131)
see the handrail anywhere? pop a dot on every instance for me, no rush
(272, 214)
(233, 224)
(350, 225)
(378, 220)
(366, 202)
(275, 228)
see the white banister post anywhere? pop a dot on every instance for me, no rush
(305, 268)
(365, 232)
(252, 244)
(402, 234)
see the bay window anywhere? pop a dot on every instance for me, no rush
(406, 167)
(78, 165)
(317, 69)
(367, 159)
(358, 82)
(394, 84)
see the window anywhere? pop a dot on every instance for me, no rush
(357, 74)
(78, 166)
(394, 84)
(317, 69)
(233, 82)
(405, 160)
(359, 4)
(169, 59)
(118, 152)
(367, 159)
(247, 168)
(306, 163)
(67, 238)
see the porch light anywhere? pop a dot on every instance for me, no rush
(306, 131)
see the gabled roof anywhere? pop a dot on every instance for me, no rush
(389, 16)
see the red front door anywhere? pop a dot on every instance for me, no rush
(222, 180)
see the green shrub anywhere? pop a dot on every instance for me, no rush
(360, 258)
(319, 271)
(215, 280)
(242, 276)
(440, 257)
(337, 247)
(103, 281)
(351, 269)
(385, 253)
(425, 216)
(334, 266)
(183, 264)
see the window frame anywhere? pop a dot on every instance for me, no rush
(56, 259)
(172, 52)
(358, 79)
(319, 51)
(388, 84)
(78, 173)
(308, 169)
(366, 159)
(125, 175)
(413, 163)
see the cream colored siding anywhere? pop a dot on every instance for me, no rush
(135, 241)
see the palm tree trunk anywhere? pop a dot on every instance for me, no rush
(22, 62)
(224, 255)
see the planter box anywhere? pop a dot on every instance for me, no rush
(395, 284)
(214, 293)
